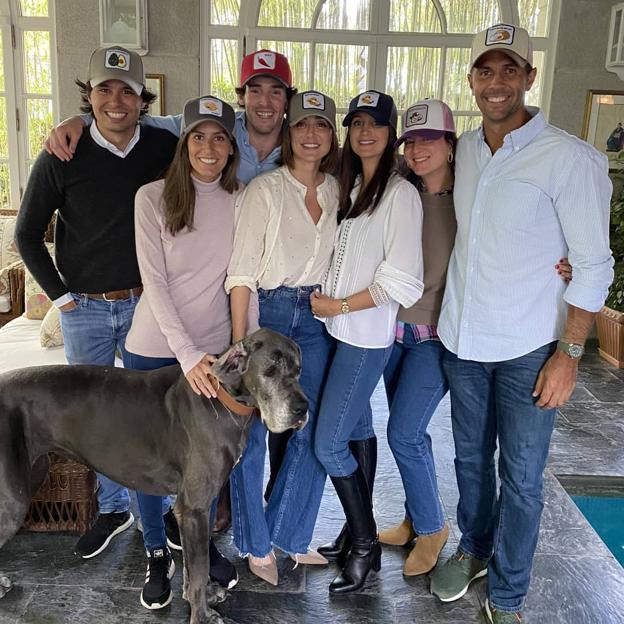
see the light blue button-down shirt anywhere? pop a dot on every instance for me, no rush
(249, 165)
(542, 196)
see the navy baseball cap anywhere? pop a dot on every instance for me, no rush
(379, 106)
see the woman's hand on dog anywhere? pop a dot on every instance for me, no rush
(198, 377)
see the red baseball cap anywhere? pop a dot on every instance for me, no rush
(266, 63)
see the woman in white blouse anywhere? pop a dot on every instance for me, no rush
(377, 266)
(282, 248)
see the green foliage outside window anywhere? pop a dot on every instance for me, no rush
(34, 8)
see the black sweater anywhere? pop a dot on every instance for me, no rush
(94, 195)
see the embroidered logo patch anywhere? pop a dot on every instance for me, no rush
(416, 115)
(159, 552)
(264, 60)
(311, 99)
(500, 34)
(117, 59)
(370, 98)
(210, 106)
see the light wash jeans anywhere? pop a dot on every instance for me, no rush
(492, 401)
(288, 522)
(415, 385)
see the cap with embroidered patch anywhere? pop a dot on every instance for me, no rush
(208, 108)
(266, 63)
(379, 106)
(512, 40)
(116, 63)
(429, 118)
(309, 103)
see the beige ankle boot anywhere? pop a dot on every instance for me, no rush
(425, 553)
(399, 535)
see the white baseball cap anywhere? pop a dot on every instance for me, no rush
(512, 40)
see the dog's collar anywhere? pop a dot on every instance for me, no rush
(228, 401)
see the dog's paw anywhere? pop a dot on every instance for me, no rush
(5, 586)
(215, 594)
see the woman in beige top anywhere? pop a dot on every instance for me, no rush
(282, 248)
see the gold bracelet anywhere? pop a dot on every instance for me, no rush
(344, 307)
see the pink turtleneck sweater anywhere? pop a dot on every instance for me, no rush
(184, 311)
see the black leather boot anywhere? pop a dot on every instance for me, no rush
(365, 553)
(365, 453)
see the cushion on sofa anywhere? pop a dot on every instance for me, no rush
(8, 249)
(50, 332)
(36, 302)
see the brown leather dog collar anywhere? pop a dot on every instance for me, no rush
(228, 401)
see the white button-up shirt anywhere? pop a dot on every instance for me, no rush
(542, 196)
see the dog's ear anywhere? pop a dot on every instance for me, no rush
(232, 364)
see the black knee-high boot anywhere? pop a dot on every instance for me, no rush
(365, 453)
(365, 552)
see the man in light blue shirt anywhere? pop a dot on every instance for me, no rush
(526, 194)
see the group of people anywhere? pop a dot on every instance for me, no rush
(441, 273)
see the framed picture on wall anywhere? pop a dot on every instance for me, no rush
(156, 84)
(124, 22)
(603, 126)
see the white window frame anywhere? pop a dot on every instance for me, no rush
(12, 26)
(378, 38)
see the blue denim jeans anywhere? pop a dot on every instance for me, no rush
(152, 508)
(490, 401)
(288, 522)
(92, 332)
(345, 412)
(415, 385)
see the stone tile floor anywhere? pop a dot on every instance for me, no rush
(575, 578)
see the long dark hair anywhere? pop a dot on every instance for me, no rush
(179, 191)
(371, 194)
(416, 180)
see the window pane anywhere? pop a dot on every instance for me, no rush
(298, 55)
(414, 16)
(224, 12)
(534, 15)
(534, 96)
(287, 13)
(39, 124)
(5, 193)
(37, 8)
(4, 133)
(413, 74)
(1, 65)
(470, 16)
(456, 92)
(341, 71)
(37, 62)
(224, 69)
(463, 123)
(344, 15)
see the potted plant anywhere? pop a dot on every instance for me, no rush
(610, 320)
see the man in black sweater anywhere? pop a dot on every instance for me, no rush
(96, 282)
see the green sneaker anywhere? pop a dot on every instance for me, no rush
(494, 616)
(450, 581)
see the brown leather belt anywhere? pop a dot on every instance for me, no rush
(114, 295)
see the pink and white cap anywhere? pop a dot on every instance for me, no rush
(430, 118)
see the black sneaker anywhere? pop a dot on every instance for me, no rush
(222, 570)
(172, 530)
(98, 537)
(156, 592)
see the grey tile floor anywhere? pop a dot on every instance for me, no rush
(576, 580)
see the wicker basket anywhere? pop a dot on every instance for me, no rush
(66, 501)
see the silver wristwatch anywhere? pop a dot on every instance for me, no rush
(575, 351)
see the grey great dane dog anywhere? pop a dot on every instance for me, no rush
(148, 431)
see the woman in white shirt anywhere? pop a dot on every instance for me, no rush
(377, 266)
(282, 248)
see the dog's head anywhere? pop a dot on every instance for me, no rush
(263, 370)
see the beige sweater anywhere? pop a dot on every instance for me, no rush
(439, 227)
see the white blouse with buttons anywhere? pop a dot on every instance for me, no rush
(277, 243)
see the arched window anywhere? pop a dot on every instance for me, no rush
(409, 48)
(27, 90)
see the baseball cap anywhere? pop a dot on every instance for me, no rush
(308, 103)
(429, 118)
(116, 63)
(207, 108)
(266, 63)
(379, 106)
(512, 40)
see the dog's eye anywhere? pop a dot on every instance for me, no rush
(270, 372)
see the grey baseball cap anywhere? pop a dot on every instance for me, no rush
(116, 63)
(208, 108)
(307, 103)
